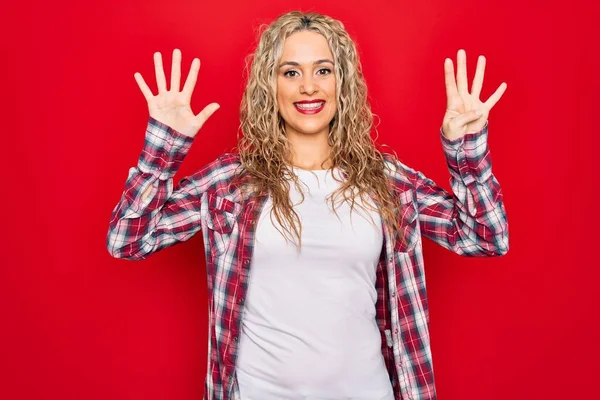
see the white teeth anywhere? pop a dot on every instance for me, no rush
(309, 106)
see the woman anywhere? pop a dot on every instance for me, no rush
(312, 235)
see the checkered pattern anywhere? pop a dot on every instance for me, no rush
(152, 215)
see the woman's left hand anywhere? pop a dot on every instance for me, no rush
(461, 110)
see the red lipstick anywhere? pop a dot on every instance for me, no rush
(310, 107)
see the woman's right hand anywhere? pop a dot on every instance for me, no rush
(172, 107)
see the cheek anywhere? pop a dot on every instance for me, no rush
(279, 98)
(330, 90)
(280, 95)
(284, 92)
(332, 100)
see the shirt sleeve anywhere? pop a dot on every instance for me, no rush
(151, 213)
(470, 221)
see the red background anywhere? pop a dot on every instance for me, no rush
(77, 324)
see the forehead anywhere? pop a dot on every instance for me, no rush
(305, 46)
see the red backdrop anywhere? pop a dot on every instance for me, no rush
(77, 324)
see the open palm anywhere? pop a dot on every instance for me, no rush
(462, 107)
(172, 106)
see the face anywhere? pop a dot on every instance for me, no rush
(306, 84)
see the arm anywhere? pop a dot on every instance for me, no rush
(471, 221)
(151, 214)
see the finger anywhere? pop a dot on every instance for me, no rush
(206, 113)
(143, 86)
(161, 82)
(451, 90)
(190, 82)
(461, 76)
(478, 79)
(493, 99)
(464, 119)
(176, 70)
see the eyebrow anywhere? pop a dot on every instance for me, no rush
(296, 64)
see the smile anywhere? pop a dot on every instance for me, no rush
(311, 107)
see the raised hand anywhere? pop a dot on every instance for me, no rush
(172, 107)
(462, 107)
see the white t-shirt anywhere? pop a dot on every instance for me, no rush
(308, 328)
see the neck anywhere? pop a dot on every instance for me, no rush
(310, 151)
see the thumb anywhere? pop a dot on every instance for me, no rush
(206, 113)
(464, 119)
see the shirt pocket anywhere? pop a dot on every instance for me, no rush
(409, 222)
(221, 219)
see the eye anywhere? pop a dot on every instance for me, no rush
(324, 71)
(290, 72)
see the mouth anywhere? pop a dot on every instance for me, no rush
(310, 107)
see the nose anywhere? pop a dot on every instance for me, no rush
(308, 85)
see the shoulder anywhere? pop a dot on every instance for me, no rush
(228, 161)
(220, 172)
(401, 175)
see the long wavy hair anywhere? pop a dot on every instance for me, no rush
(265, 151)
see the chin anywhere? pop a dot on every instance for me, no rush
(310, 128)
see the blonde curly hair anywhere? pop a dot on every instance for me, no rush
(264, 149)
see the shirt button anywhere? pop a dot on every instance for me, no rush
(393, 294)
(246, 262)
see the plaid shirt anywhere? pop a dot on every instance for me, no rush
(152, 215)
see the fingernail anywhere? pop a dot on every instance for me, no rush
(479, 112)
